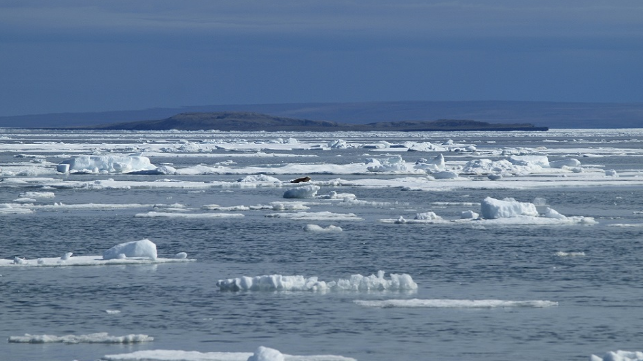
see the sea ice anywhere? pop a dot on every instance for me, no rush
(101, 337)
(446, 303)
(179, 355)
(320, 229)
(619, 356)
(317, 216)
(266, 354)
(397, 282)
(109, 164)
(143, 248)
(492, 208)
(306, 191)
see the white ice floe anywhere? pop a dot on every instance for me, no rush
(258, 178)
(390, 165)
(8, 208)
(101, 337)
(128, 253)
(261, 354)
(611, 173)
(112, 163)
(273, 206)
(492, 208)
(444, 174)
(320, 229)
(38, 195)
(317, 216)
(619, 356)
(339, 196)
(434, 165)
(566, 162)
(426, 217)
(447, 303)
(396, 282)
(570, 254)
(306, 191)
(143, 248)
(469, 215)
(154, 214)
(510, 211)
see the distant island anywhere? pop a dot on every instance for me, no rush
(251, 121)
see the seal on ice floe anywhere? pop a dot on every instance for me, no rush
(300, 180)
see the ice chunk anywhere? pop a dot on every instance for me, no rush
(307, 191)
(611, 173)
(109, 164)
(316, 228)
(566, 162)
(259, 178)
(392, 164)
(446, 303)
(266, 354)
(619, 356)
(143, 248)
(427, 216)
(445, 174)
(397, 282)
(101, 337)
(492, 208)
(469, 215)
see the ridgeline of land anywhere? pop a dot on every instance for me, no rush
(540, 114)
(249, 121)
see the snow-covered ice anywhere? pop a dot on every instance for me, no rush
(261, 354)
(320, 229)
(448, 303)
(619, 356)
(101, 337)
(128, 253)
(396, 282)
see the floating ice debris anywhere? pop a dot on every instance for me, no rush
(434, 165)
(188, 215)
(258, 178)
(266, 354)
(112, 312)
(492, 208)
(38, 195)
(469, 215)
(109, 164)
(570, 254)
(426, 217)
(7, 208)
(445, 174)
(611, 173)
(102, 337)
(446, 303)
(566, 162)
(317, 216)
(138, 252)
(179, 355)
(307, 191)
(143, 248)
(619, 356)
(320, 229)
(340, 196)
(397, 282)
(339, 144)
(391, 165)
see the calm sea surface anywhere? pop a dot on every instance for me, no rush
(599, 295)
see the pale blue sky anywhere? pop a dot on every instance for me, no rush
(72, 56)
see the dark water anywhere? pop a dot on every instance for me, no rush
(599, 295)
